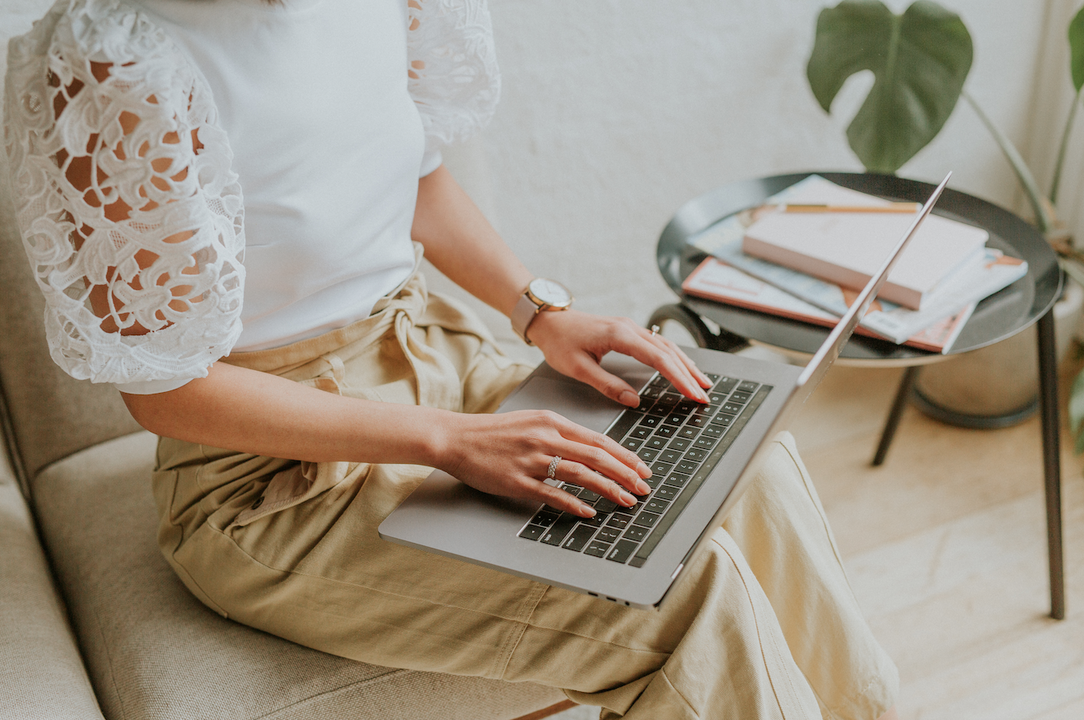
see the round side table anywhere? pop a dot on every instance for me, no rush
(1029, 301)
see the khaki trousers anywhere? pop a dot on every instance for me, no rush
(763, 626)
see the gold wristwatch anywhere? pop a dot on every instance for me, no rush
(541, 295)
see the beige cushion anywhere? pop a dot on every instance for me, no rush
(41, 673)
(153, 651)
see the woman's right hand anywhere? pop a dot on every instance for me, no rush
(509, 454)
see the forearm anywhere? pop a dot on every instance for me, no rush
(262, 414)
(461, 243)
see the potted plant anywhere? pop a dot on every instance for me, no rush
(920, 60)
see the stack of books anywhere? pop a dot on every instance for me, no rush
(809, 250)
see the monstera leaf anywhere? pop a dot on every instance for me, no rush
(919, 59)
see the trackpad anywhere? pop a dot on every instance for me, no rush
(580, 403)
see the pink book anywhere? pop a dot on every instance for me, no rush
(848, 248)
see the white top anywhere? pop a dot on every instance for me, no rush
(325, 113)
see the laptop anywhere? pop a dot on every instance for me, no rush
(701, 458)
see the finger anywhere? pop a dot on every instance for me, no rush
(594, 485)
(665, 357)
(704, 380)
(597, 453)
(684, 362)
(560, 500)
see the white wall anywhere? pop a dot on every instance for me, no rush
(614, 113)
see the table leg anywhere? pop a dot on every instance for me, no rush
(907, 382)
(1048, 399)
(695, 325)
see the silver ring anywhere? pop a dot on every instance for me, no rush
(552, 472)
(654, 330)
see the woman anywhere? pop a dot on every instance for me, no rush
(223, 202)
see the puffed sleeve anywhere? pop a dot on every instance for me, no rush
(453, 73)
(130, 214)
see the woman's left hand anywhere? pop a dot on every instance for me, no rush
(575, 342)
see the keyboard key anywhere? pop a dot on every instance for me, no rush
(748, 386)
(698, 421)
(624, 422)
(686, 466)
(679, 443)
(532, 532)
(725, 385)
(656, 505)
(654, 481)
(665, 431)
(597, 549)
(640, 432)
(716, 398)
(714, 377)
(650, 393)
(605, 505)
(686, 407)
(661, 469)
(732, 408)
(723, 420)
(635, 533)
(656, 443)
(608, 534)
(651, 421)
(589, 496)
(667, 492)
(622, 551)
(647, 454)
(705, 443)
(689, 432)
(618, 520)
(670, 456)
(740, 397)
(676, 480)
(695, 455)
(556, 534)
(713, 431)
(579, 537)
(545, 516)
(646, 519)
(631, 443)
(674, 419)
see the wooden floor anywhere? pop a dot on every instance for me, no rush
(945, 545)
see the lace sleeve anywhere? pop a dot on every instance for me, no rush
(453, 74)
(131, 216)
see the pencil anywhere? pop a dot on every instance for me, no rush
(896, 207)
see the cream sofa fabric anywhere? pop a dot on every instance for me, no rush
(41, 673)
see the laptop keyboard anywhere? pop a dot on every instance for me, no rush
(681, 441)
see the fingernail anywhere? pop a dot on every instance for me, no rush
(627, 499)
(643, 470)
(704, 396)
(642, 487)
(587, 511)
(629, 398)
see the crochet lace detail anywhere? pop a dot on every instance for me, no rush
(453, 74)
(131, 216)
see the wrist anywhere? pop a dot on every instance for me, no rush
(539, 297)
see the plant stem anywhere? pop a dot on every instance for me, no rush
(1023, 174)
(1056, 184)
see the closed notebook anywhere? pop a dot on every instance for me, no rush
(847, 248)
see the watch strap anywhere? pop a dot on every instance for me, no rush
(523, 314)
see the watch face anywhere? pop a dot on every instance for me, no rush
(550, 292)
